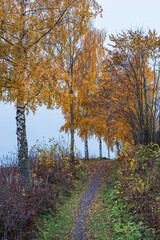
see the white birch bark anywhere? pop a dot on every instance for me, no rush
(23, 160)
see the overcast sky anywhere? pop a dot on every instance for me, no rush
(117, 15)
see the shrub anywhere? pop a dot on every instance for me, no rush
(140, 181)
(17, 203)
(51, 174)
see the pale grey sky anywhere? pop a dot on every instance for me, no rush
(117, 15)
(124, 14)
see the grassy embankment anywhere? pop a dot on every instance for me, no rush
(128, 204)
(60, 224)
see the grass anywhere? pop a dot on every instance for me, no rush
(109, 218)
(60, 225)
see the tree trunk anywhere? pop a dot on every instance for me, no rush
(158, 132)
(72, 131)
(100, 147)
(108, 145)
(86, 149)
(148, 133)
(23, 160)
(118, 147)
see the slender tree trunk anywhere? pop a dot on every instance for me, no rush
(72, 131)
(71, 111)
(23, 160)
(135, 137)
(108, 145)
(86, 148)
(158, 132)
(141, 113)
(149, 132)
(100, 147)
(118, 147)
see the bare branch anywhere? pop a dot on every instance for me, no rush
(7, 41)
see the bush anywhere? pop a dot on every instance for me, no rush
(140, 182)
(51, 174)
(17, 203)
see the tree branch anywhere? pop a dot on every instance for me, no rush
(7, 41)
(56, 23)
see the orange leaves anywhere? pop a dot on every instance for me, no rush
(132, 84)
(79, 70)
(27, 31)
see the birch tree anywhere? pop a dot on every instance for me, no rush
(87, 68)
(70, 51)
(26, 71)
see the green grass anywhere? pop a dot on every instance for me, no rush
(60, 225)
(109, 218)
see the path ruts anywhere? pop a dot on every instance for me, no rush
(79, 233)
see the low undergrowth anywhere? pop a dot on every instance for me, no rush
(138, 173)
(128, 205)
(60, 224)
(53, 179)
(109, 218)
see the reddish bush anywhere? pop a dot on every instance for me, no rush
(50, 169)
(17, 203)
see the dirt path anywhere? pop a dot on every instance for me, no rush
(99, 168)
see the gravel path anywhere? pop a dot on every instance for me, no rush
(78, 233)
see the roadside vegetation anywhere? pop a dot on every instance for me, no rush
(54, 179)
(128, 203)
(60, 224)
